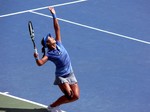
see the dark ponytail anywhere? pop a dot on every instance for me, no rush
(43, 48)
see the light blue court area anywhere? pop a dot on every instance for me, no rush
(109, 46)
(11, 103)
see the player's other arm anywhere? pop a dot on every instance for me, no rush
(42, 61)
(56, 24)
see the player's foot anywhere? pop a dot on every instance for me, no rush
(62, 111)
(54, 109)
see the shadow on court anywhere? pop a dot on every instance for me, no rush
(22, 110)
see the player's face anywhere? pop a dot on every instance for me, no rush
(51, 41)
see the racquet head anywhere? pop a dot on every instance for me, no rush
(31, 30)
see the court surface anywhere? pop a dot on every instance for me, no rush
(108, 42)
(11, 103)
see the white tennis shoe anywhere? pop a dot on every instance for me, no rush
(54, 109)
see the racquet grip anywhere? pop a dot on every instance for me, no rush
(35, 50)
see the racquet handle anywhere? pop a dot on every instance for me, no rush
(35, 50)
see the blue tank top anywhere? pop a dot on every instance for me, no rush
(61, 59)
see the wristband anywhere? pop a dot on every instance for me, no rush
(37, 58)
(54, 16)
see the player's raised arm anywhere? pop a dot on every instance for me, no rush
(56, 24)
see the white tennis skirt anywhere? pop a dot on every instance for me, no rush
(69, 78)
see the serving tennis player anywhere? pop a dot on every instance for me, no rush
(64, 75)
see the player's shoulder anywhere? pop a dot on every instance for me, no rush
(58, 42)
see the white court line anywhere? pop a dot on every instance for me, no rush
(93, 28)
(21, 99)
(21, 12)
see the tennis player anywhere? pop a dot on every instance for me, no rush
(64, 74)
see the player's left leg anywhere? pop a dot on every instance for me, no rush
(76, 91)
(71, 93)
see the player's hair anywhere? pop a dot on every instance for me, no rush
(43, 48)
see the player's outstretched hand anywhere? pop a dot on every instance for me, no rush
(52, 10)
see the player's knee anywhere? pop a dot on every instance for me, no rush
(72, 96)
(69, 95)
(76, 96)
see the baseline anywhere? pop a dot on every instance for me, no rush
(57, 5)
(93, 28)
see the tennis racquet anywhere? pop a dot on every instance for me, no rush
(31, 31)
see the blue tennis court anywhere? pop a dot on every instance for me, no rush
(108, 42)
